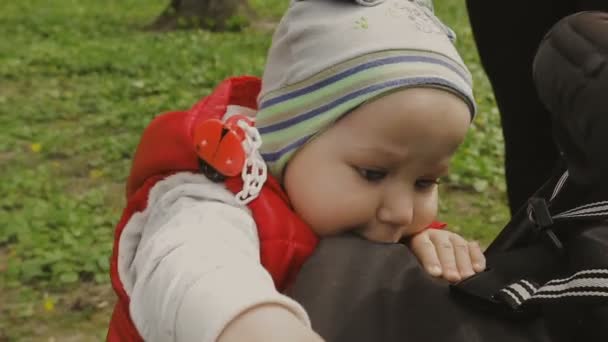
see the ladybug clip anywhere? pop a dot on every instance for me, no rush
(219, 146)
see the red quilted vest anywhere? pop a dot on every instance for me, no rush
(166, 148)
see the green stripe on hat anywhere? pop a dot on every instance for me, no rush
(290, 114)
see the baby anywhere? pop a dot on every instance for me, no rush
(361, 106)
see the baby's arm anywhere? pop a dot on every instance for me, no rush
(446, 254)
(196, 270)
(268, 323)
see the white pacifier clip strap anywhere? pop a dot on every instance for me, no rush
(254, 171)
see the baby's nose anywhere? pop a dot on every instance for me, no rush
(397, 211)
(396, 220)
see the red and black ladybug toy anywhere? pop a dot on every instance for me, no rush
(219, 146)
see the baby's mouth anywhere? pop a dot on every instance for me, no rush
(385, 240)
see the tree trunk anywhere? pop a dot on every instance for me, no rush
(215, 15)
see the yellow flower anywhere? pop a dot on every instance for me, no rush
(95, 174)
(36, 147)
(49, 304)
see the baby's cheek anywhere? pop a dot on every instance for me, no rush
(333, 217)
(316, 213)
(426, 211)
(326, 221)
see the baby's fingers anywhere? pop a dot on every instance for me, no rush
(477, 257)
(423, 248)
(463, 256)
(447, 256)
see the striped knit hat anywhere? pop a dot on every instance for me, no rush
(329, 57)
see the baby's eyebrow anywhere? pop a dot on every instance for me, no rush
(384, 152)
(442, 168)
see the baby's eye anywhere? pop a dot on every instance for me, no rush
(371, 175)
(427, 183)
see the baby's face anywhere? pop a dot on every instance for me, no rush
(376, 170)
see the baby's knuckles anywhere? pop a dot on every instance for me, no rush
(429, 241)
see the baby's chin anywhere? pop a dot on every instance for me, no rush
(350, 234)
(362, 231)
(325, 232)
(378, 236)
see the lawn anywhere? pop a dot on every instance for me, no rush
(79, 80)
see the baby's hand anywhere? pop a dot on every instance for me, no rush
(446, 254)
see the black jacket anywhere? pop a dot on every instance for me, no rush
(547, 277)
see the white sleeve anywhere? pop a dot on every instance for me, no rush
(196, 263)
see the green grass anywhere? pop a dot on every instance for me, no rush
(79, 80)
